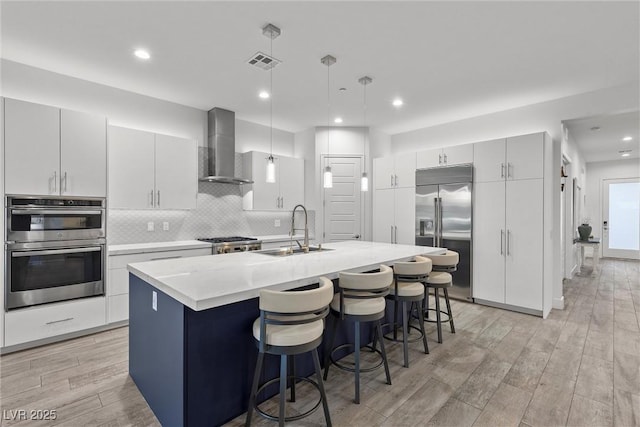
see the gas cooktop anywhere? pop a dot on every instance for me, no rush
(224, 245)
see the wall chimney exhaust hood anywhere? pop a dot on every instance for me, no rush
(221, 148)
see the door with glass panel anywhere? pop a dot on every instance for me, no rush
(621, 218)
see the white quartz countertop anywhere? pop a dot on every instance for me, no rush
(141, 248)
(205, 282)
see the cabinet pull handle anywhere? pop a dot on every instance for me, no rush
(509, 167)
(501, 242)
(55, 181)
(65, 182)
(508, 240)
(152, 204)
(501, 170)
(445, 159)
(166, 257)
(392, 234)
(391, 176)
(396, 180)
(282, 201)
(158, 199)
(59, 321)
(440, 158)
(396, 237)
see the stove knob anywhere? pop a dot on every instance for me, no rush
(243, 248)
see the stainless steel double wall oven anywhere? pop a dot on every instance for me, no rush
(55, 249)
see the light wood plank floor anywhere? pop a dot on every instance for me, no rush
(579, 367)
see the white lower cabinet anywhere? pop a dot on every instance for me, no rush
(118, 277)
(508, 243)
(44, 321)
(394, 216)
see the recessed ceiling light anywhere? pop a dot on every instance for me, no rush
(397, 102)
(264, 94)
(595, 129)
(142, 54)
(337, 120)
(626, 154)
(627, 138)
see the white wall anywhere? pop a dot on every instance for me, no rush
(122, 108)
(254, 137)
(305, 148)
(545, 116)
(597, 172)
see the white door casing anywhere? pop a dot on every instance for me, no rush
(343, 202)
(621, 214)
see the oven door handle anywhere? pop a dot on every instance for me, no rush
(53, 251)
(54, 212)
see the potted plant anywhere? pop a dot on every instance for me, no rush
(584, 230)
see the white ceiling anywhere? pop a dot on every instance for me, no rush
(606, 143)
(447, 60)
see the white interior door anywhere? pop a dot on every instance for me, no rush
(342, 203)
(621, 218)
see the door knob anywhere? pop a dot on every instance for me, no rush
(357, 236)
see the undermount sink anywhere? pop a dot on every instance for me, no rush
(291, 251)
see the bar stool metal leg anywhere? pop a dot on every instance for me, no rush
(446, 298)
(438, 314)
(383, 351)
(283, 388)
(327, 353)
(254, 388)
(421, 325)
(405, 334)
(357, 361)
(293, 378)
(323, 394)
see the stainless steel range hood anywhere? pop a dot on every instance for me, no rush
(221, 148)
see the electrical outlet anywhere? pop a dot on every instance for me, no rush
(154, 301)
(276, 223)
(165, 226)
(150, 226)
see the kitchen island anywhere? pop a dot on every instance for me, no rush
(191, 349)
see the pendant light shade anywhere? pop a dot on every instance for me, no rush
(328, 177)
(272, 32)
(271, 170)
(364, 180)
(328, 60)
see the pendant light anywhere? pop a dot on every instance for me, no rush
(327, 176)
(364, 180)
(272, 32)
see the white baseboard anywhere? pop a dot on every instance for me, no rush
(558, 303)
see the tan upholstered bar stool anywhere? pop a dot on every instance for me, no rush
(290, 323)
(408, 288)
(361, 299)
(440, 278)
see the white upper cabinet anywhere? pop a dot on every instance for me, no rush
(32, 148)
(284, 194)
(150, 171)
(83, 154)
(490, 161)
(176, 172)
(131, 168)
(49, 151)
(525, 158)
(395, 172)
(516, 158)
(448, 156)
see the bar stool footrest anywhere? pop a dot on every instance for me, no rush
(294, 417)
(430, 320)
(389, 335)
(344, 367)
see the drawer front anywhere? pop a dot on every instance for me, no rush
(117, 281)
(49, 320)
(118, 308)
(121, 261)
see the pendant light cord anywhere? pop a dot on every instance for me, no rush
(364, 125)
(328, 113)
(271, 100)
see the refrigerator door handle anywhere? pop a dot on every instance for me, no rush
(501, 170)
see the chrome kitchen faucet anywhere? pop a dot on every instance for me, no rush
(305, 246)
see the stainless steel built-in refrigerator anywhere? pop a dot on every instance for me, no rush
(443, 217)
